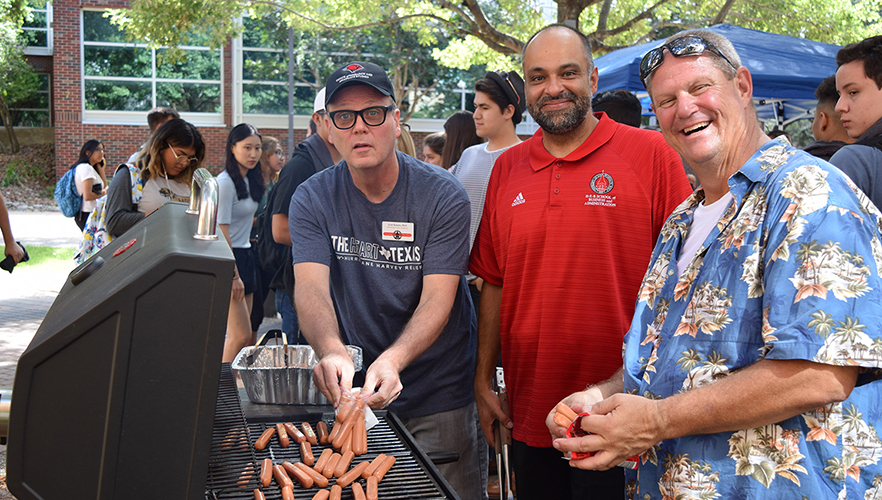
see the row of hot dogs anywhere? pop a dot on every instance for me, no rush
(348, 437)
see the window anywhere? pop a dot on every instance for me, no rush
(34, 110)
(36, 32)
(129, 77)
(264, 70)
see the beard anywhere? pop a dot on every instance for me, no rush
(561, 121)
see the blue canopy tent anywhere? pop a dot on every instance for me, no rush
(785, 70)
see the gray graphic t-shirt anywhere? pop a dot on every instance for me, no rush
(378, 254)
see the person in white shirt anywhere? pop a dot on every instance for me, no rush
(499, 107)
(90, 179)
(240, 189)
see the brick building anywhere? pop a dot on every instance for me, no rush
(98, 86)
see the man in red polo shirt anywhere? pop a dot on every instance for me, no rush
(569, 223)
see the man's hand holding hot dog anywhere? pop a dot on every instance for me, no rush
(766, 392)
(318, 322)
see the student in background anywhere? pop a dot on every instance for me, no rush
(240, 189)
(460, 132)
(90, 179)
(433, 147)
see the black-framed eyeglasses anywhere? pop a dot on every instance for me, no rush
(689, 45)
(374, 116)
(192, 160)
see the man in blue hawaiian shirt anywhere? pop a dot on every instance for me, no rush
(749, 366)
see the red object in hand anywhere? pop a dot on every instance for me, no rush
(575, 430)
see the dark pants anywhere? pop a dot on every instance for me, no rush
(81, 218)
(542, 473)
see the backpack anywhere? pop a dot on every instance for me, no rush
(95, 234)
(66, 196)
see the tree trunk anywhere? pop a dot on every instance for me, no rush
(568, 11)
(7, 122)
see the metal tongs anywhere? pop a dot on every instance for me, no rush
(261, 344)
(502, 438)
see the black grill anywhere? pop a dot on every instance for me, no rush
(235, 464)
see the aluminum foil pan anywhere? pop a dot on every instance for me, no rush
(268, 380)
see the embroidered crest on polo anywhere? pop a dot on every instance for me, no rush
(602, 183)
(519, 200)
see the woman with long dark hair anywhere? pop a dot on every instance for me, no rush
(240, 189)
(461, 134)
(163, 173)
(90, 179)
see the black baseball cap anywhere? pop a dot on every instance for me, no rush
(513, 86)
(358, 72)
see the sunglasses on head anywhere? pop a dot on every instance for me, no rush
(689, 45)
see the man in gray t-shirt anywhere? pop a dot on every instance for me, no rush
(380, 245)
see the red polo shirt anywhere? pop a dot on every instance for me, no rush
(569, 239)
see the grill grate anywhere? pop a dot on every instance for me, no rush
(233, 474)
(231, 471)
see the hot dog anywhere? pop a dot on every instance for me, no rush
(346, 408)
(300, 475)
(309, 433)
(258, 495)
(322, 495)
(323, 459)
(346, 446)
(287, 492)
(282, 477)
(345, 433)
(375, 464)
(331, 466)
(357, 492)
(264, 438)
(336, 492)
(283, 435)
(357, 410)
(266, 472)
(566, 411)
(343, 464)
(323, 433)
(353, 474)
(372, 487)
(294, 432)
(359, 438)
(245, 476)
(384, 468)
(561, 420)
(306, 453)
(320, 480)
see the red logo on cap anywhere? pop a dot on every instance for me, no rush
(353, 67)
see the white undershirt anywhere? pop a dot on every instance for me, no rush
(704, 219)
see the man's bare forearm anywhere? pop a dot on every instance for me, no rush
(489, 345)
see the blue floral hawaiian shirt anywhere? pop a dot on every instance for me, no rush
(791, 271)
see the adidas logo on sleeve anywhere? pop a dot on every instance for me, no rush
(519, 200)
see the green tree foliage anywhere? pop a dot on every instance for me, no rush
(17, 80)
(471, 32)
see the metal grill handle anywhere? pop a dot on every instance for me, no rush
(203, 201)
